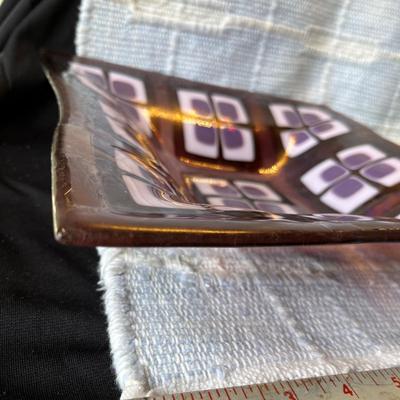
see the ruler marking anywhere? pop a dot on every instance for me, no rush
(291, 388)
(287, 388)
(394, 373)
(262, 394)
(372, 378)
(383, 375)
(363, 375)
(304, 384)
(319, 384)
(352, 389)
(347, 379)
(276, 390)
(359, 379)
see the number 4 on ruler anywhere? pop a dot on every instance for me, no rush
(290, 395)
(396, 381)
(347, 390)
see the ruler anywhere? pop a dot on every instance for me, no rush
(383, 384)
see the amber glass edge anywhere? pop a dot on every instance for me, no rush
(79, 227)
(57, 160)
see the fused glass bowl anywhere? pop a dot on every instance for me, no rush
(145, 159)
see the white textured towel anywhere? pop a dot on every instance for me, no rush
(183, 319)
(187, 319)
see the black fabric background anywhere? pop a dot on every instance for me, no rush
(53, 340)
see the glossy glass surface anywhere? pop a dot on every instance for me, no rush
(145, 159)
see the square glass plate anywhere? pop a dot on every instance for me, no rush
(143, 159)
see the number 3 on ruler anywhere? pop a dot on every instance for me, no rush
(290, 395)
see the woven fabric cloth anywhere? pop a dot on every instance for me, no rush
(185, 319)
